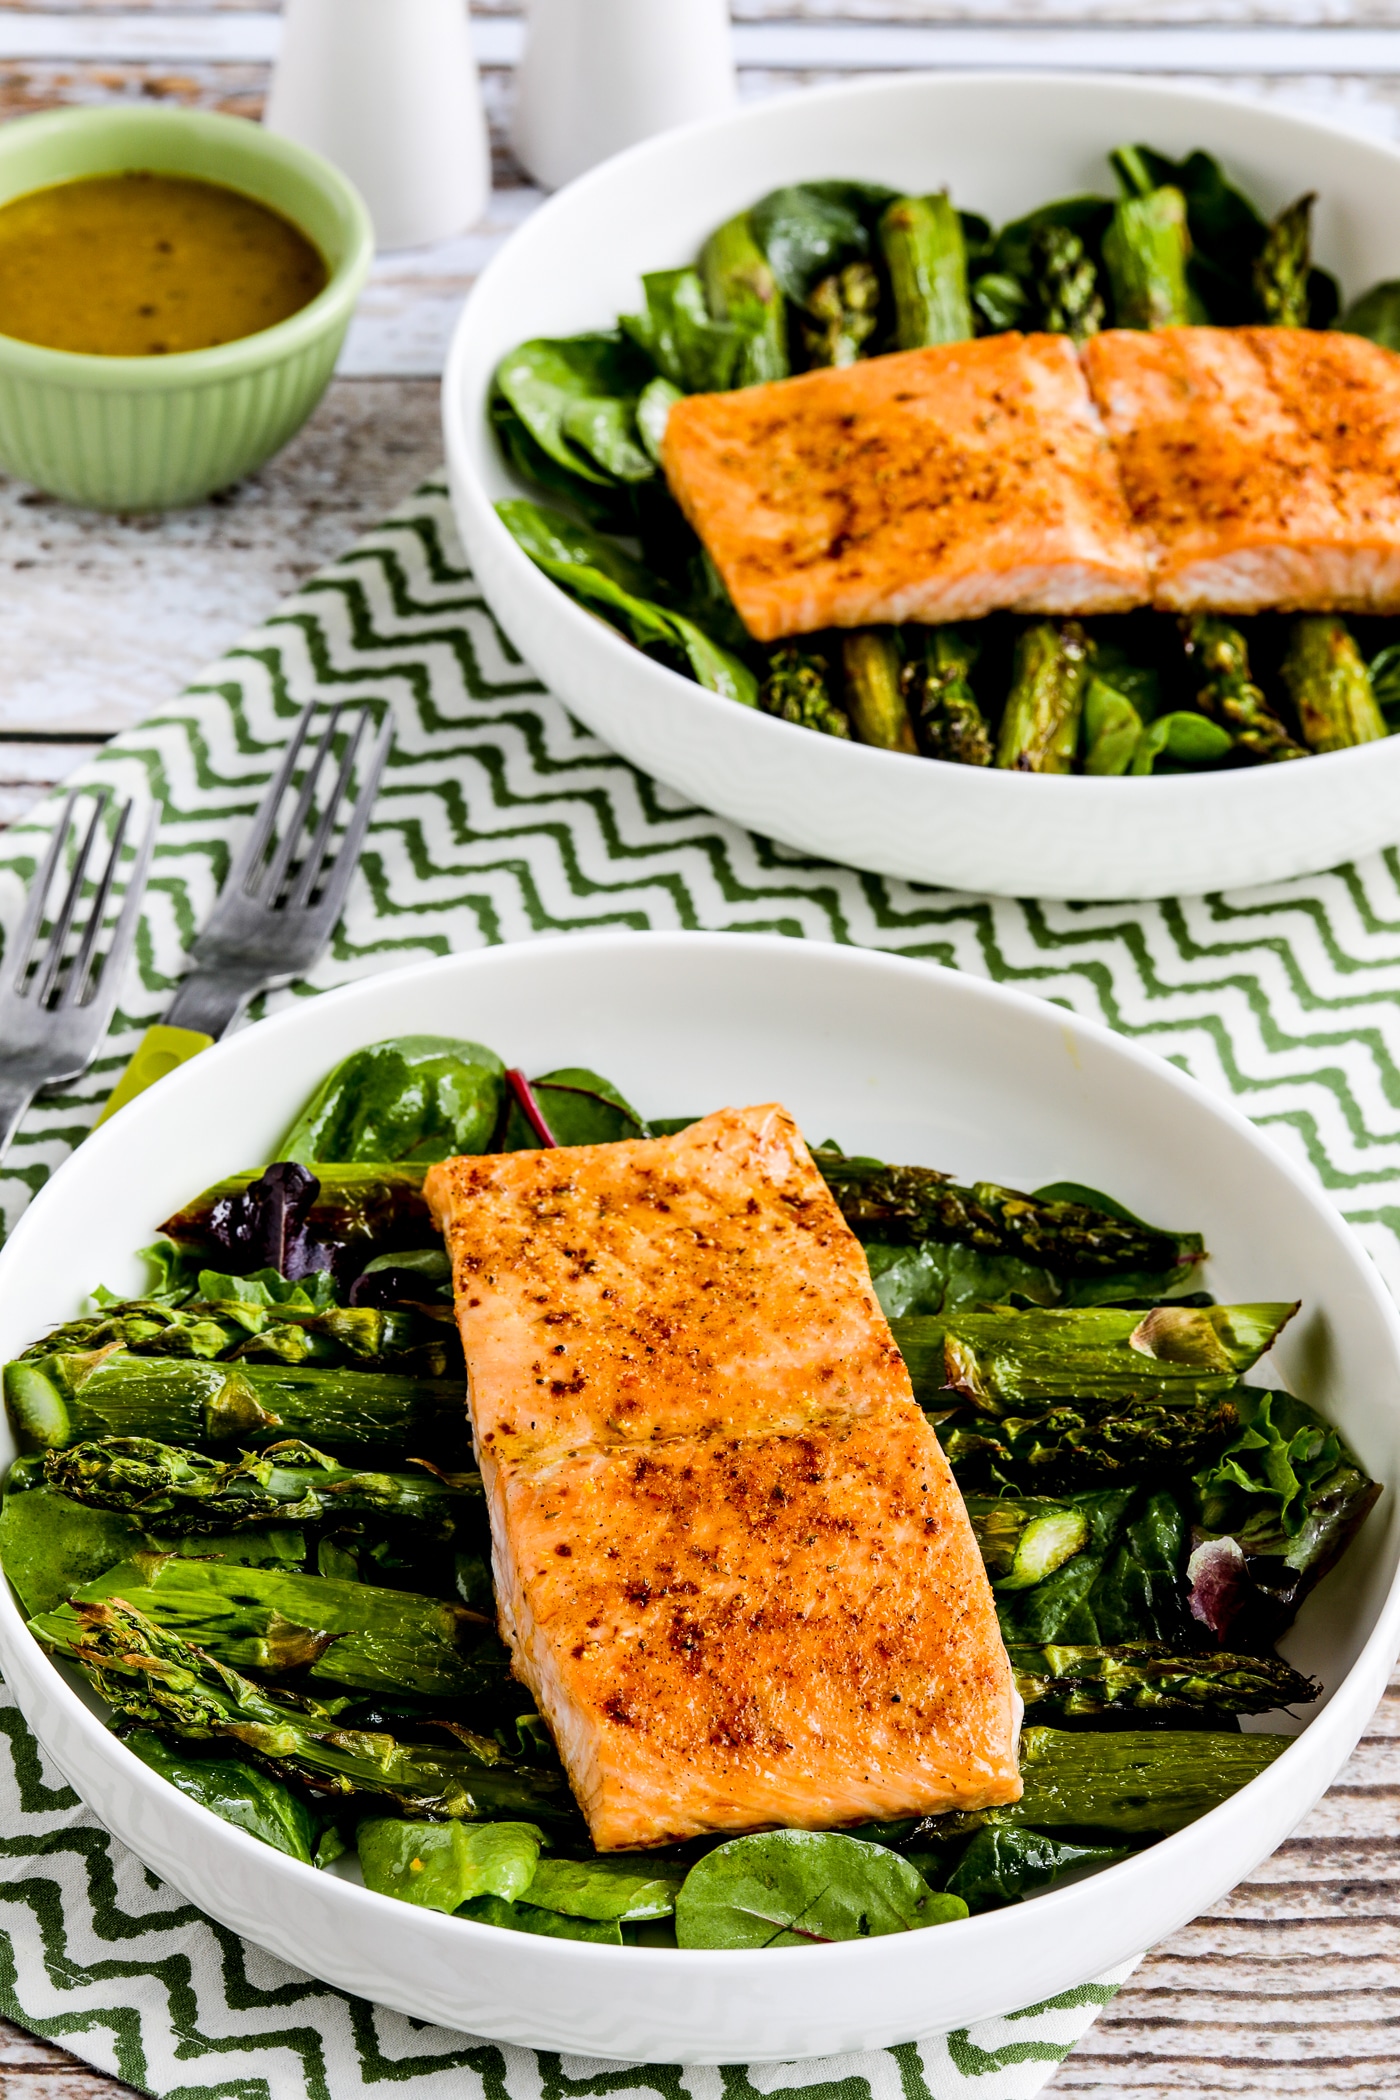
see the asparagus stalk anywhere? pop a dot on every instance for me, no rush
(1329, 684)
(1145, 249)
(921, 239)
(1146, 1677)
(1229, 695)
(153, 1679)
(841, 315)
(1066, 284)
(1141, 1782)
(1024, 1539)
(939, 697)
(242, 1329)
(183, 1494)
(1283, 263)
(796, 691)
(741, 288)
(1040, 727)
(1075, 1239)
(873, 697)
(58, 1400)
(1008, 1362)
(351, 1633)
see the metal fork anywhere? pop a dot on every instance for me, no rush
(280, 904)
(54, 1014)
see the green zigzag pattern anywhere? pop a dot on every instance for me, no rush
(501, 818)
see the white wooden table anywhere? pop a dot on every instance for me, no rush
(1292, 1984)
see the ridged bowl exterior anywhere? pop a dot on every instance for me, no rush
(150, 433)
(1002, 143)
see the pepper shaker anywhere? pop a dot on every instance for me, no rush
(388, 90)
(598, 75)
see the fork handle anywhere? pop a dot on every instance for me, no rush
(15, 1097)
(210, 1001)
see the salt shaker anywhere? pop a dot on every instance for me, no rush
(599, 75)
(388, 90)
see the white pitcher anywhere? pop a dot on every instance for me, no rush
(599, 75)
(388, 90)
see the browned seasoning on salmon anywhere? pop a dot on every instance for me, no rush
(1262, 465)
(732, 1563)
(931, 485)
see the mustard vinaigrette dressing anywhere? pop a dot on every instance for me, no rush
(139, 265)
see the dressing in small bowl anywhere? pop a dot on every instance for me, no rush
(147, 265)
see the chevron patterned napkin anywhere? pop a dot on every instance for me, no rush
(500, 818)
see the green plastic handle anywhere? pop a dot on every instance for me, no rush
(160, 1050)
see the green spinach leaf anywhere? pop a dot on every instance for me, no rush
(579, 1107)
(610, 1889)
(577, 396)
(797, 1888)
(414, 1097)
(241, 1794)
(1004, 1866)
(599, 572)
(441, 1866)
(548, 1924)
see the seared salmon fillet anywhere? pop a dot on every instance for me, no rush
(731, 1561)
(1262, 465)
(932, 485)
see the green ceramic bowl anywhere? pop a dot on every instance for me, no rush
(147, 433)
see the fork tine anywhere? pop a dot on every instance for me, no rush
(38, 893)
(115, 960)
(75, 989)
(265, 816)
(347, 859)
(310, 869)
(52, 961)
(296, 824)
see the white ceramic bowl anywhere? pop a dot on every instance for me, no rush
(1002, 143)
(894, 1057)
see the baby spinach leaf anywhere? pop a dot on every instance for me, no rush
(441, 1866)
(1376, 314)
(610, 1889)
(596, 570)
(810, 229)
(934, 1277)
(1126, 1583)
(579, 1107)
(418, 1097)
(797, 1888)
(549, 1924)
(1183, 738)
(1004, 1866)
(1111, 728)
(577, 397)
(239, 1793)
(696, 353)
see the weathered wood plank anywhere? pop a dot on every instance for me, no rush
(105, 618)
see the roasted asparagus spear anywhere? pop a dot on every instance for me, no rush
(873, 697)
(796, 691)
(1146, 1677)
(938, 695)
(840, 316)
(1282, 265)
(741, 288)
(1145, 249)
(181, 1493)
(1066, 284)
(924, 250)
(1329, 685)
(1040, 726)
(1228, 694)
(153, 1679)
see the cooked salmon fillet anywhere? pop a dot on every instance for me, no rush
(731, 1561)
(933, 485)
(1262, 465)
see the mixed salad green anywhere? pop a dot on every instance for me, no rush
(823, 273)
(246, 1509)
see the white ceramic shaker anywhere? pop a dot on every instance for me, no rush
(599, 75)
(388, 90)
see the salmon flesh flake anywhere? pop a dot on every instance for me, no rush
(732, 1564)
